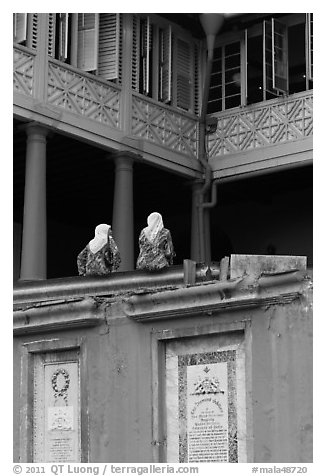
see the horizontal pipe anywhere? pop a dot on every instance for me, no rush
(129, 281)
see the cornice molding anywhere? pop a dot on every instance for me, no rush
(57, 315)
(177, 302)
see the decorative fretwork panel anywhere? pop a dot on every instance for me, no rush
(163, 127)
(282, 121)
(81, 95)
(23, 71)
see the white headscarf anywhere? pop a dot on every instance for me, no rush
(155, 225)
(100, 238)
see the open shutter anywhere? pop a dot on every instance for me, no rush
(108, 59)
(244, 67)
(87, 41)
(276, 77)
(51, 34)
(267, 57)
(280, 65)
(183, 74)
(165, 65)
(63, 36)
(20, 27)
(309, 43)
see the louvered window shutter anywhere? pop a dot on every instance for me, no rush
(184, 71)
(165, 65)
(146, 46)
(51, 35)
(20, 27)
(197, 77)
(135, 53)
(309, 42)
(32, 28)
(108, 59)
(87, 41)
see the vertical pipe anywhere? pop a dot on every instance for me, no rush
(195, 236)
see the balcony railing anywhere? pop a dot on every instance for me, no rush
(164, 126)
(23, 69)
(81, 94)
(277, 121)
(272, 122)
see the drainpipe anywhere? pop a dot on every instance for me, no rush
(211, 23)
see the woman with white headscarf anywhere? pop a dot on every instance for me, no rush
(155, 244)
(101, 255)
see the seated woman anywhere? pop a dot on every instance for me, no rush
(155, 244)
(101, 255)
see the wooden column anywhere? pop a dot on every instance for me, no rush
(33, 260)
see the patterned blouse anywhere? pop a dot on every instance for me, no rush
(155, 255)
(101, 263)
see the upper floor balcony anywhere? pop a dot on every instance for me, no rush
(144, 93)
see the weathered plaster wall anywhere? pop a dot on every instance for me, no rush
(282, 382)
(120, 386)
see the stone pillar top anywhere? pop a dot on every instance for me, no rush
(255, 265)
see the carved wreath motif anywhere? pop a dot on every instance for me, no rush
(60, 392)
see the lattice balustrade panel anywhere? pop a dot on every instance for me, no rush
(266, 125)
(23, 70)
(164, 128)
(83, 96)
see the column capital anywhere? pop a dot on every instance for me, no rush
(35, 128)
(124, 161)
(125, 154)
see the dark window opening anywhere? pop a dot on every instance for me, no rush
(296, 58)
(255, 69)
(232, 75)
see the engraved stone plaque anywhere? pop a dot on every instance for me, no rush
(56, 416)
(207, 413)
(205, 400)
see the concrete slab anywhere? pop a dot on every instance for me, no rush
(255, 265)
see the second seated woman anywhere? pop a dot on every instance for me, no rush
(155, 245)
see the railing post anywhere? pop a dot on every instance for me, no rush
(41, 59)
(126, 91)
